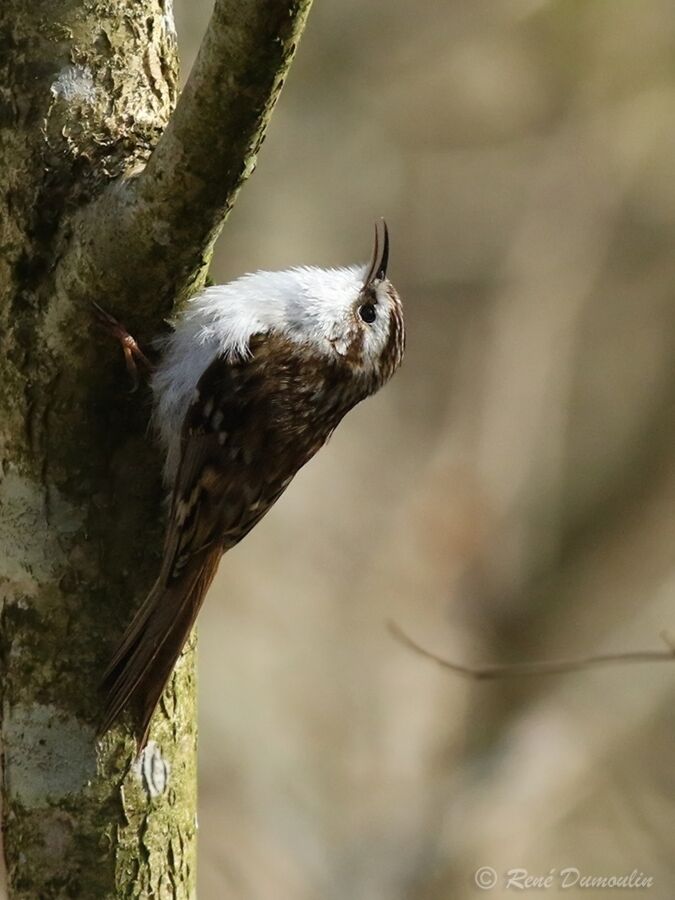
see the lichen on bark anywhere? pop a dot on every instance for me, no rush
(87, 88)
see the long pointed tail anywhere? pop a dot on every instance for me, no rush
(144, 661)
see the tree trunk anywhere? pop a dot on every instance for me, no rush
(90, 210)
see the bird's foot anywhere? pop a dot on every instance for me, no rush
(133, 355)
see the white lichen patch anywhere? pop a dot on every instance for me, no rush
(75, 83)
(57, 830)
(161, 232)
(31, 552)
(152, 770)
(47, 756)
(169, 22)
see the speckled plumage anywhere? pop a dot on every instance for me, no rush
(253, 381)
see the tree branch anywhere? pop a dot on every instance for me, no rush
(540, 667)
(160, 224)
(212, 140)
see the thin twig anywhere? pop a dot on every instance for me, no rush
(539, 667)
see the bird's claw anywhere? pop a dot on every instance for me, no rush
(132, 352)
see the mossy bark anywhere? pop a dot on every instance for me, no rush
(87, 88)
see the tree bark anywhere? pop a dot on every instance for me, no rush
(100, 200)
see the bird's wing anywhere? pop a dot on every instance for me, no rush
(230, 474)
(155, 637)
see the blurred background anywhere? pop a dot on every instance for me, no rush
(508, 497)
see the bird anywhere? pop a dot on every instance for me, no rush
(251, 382)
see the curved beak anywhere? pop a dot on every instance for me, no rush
(377, 270)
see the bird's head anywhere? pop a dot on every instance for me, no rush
(353, 315)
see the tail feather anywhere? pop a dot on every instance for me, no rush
(144, 661)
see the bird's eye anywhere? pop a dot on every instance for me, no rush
(367, 313)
